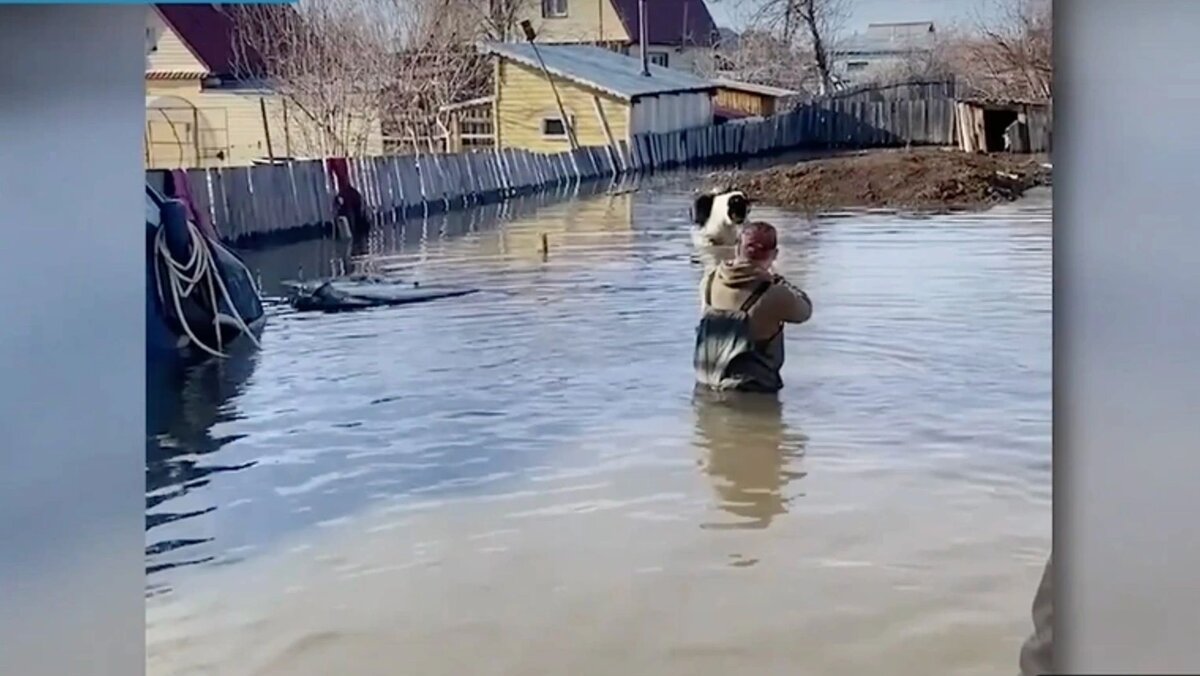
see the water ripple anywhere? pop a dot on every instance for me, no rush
(552, 415)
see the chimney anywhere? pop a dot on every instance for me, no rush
(642, 37)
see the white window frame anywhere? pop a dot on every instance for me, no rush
(661, 59)
(555, 117)
(556, 9)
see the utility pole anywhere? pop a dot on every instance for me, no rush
(530, 35)
(642, 33)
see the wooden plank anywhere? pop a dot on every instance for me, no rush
(237, 192)
(266, 197)
(219, 206)
(450, 180)
(510, 168)
(279, 189)
(321, 190)
(197, 186)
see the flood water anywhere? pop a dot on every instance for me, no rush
(522, 482)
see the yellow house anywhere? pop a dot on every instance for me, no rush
(604, 94)
(200, 112)
(680, 34)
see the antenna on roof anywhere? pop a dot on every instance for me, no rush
(642, 37)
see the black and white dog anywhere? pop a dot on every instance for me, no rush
(716, 217)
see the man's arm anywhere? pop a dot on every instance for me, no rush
(704, 282)
(794, 305)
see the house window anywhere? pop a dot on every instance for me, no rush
(554, 9)
(856, 66)
(553, 126)
(658, 58)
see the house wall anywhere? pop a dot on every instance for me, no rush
(671, 112)
(586, 21)
(857, 69)
(170, 54)
(524, 98)
(747, 102)
(188, 126)
(698, 60)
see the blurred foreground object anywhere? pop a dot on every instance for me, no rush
(1037, 653)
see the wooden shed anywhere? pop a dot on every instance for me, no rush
(750, 98)
(604, 94)
(989, 126)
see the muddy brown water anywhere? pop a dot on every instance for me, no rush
(522, 482)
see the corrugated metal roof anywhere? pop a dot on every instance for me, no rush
(602, 69)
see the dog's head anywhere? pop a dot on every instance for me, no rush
(728, 206)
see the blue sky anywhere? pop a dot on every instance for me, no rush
(869, 11)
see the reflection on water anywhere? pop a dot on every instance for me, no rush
(747, 447)
(182, 410)
(528, 472)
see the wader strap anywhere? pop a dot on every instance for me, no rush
(754, 297)
(708, 288)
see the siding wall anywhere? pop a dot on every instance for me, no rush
(230, 131)
(586, 21)
(524, 98)
(171, 55)
(698, 60)
(671, 112)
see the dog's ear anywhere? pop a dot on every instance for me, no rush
(702, 209)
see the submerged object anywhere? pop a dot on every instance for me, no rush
(360, 292)
(201, 299)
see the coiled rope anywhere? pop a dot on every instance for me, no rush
(184, 278)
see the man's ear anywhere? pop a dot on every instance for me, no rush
(702, 209)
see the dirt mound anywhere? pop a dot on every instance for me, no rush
(916, 180)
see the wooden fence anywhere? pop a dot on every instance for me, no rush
(269, 202)
(900, 91)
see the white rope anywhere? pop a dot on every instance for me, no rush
(183, 278)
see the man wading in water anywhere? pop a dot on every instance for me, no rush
(739, 342)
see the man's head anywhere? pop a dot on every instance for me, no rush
(726, 206)
(757, 243)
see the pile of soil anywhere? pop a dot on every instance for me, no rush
(914, 180)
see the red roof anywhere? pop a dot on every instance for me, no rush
(208, 30)
(672, 22)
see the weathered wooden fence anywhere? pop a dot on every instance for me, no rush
(901, 91)
(285, 200)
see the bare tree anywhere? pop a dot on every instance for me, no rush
(348, 68)
(440, 65)
(932, 59)
(1009, 56)
(760, 57)
(808, 27)
(329, 62)
(501, 18)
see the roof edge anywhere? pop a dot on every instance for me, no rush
(497, 49)
(183, 40)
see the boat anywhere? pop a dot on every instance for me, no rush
(201, 300)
